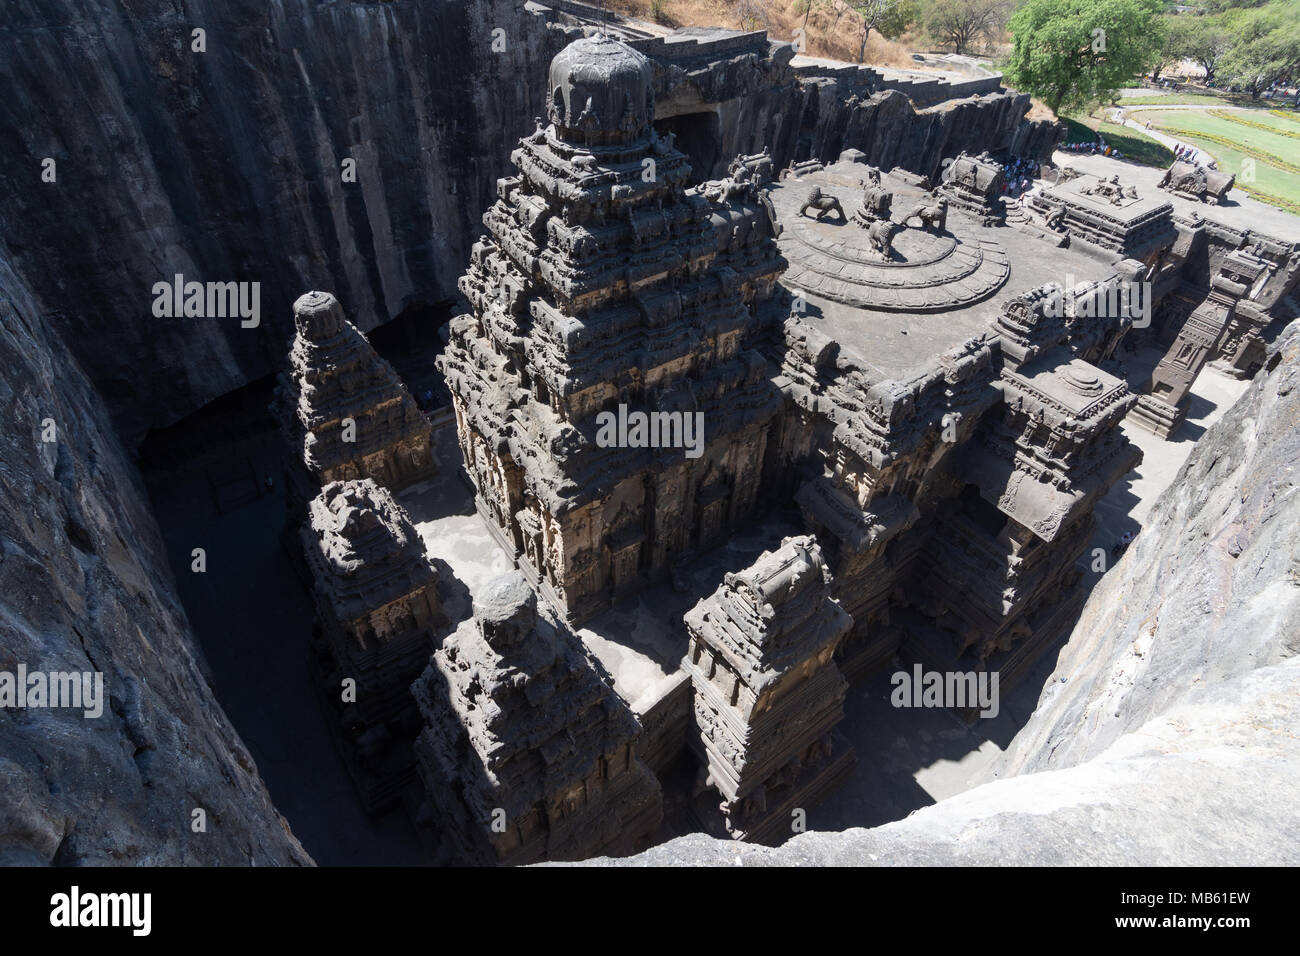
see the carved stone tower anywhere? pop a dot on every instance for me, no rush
(767, 692)
(606, 287)
(527, 754)
(378, 613)
(345, 411)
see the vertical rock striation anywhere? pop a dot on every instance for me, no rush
(236, 163)
(228, 165)
(84, 587)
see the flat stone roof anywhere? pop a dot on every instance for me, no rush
(1242, 212)
(1126, 210)
(1071, 382)
(900, 344)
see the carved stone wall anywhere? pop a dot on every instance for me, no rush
(378, 612)
(1215, 320)
(527, 754)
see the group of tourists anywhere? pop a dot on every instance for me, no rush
(1018, 175)
(1096, 147)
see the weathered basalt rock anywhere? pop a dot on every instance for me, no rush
(378, 611)
(1110, 215)
(767, 693)
(1164, 408)
(227, 164)
(85, 588)
(527, 754)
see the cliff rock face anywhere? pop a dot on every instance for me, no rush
(84, 588)
(227, 165)
(890, 132)
(1170, 731)
(1207, 597)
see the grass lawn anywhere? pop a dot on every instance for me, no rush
(1135, 145)
(1231, 144)
(1283, 124)
(1275, 143)
(1177, 99)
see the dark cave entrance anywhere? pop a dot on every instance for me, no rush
(699, 136)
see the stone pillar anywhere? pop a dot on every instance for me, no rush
(1163, 409)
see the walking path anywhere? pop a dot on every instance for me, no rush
(1165, 139)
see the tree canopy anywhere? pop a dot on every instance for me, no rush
(961, 23)
(1072, 54)
(1264, 45)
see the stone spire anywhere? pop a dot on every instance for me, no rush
(767, 693)
(527, 754)
(378, 611)
(350, 415)
(605, 284)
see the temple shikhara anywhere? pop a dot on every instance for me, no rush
(605, 281)
(767, 692)
(912, 392)
(344, 410)
(528, 754)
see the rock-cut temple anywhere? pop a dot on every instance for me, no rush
(908, 422)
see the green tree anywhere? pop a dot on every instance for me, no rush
(873, 14)
(900, 17)
(1207, 40)
(1179, 29)
(1073, 54)
(1265, 45)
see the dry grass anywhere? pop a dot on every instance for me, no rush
(833, 31)
(1038, 110)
